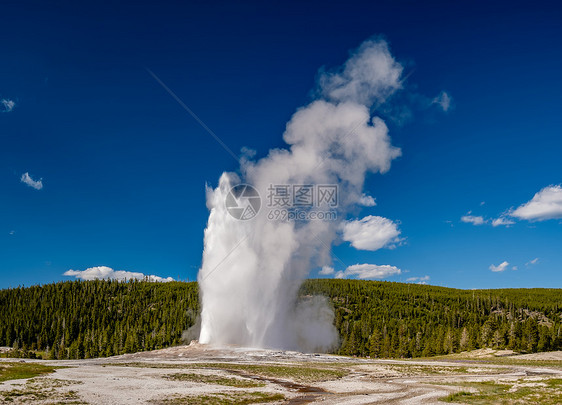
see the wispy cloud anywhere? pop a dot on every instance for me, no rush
(546, 204)
(444, 101)
(418, 280)
(531, 262)
(368, 271)
(502, 220)
(104, 272)
(326, 270)
(371, 233)
(7, 105)
(36, 184)
(500, 267)
(473, 219)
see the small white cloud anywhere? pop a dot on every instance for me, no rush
(367, 201)
(514, 268)
(368, 271)
(26, 178)
(474, 220)
(546, 204)
(371, 233)
(326, 270)
(104, 272)
(418, 280)
(531, 262)
(12, 232)
(503, 220)
(500, 267)
(443, 100)
(7, 105)
(482, 203)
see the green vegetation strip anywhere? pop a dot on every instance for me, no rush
(231, 398)
(214, 379)
(500, 361)
(15, 371)
(297, 372)
(548, 392)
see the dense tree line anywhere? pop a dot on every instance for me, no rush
(383, 319)
(84, 319)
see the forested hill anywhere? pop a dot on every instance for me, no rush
(76, 319)
(378, 319)
(385, 319)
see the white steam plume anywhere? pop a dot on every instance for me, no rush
(252, 269)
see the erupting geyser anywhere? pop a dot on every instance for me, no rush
(252, 269)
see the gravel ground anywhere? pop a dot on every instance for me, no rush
(144, 378)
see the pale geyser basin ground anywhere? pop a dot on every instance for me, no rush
(203, 374)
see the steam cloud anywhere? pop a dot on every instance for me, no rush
(252, 270)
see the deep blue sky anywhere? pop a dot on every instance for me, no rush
(123, 166)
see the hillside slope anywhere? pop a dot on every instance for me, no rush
(378, 319)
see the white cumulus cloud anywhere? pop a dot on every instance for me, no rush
(7, 105)
(104, 272)
(367, 201)
(368, 271)
(326, 270)
(500, 267)
(371, 233)
(472, 219)
(546, 204)
(36, 184)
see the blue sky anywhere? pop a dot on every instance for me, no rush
(123, 167)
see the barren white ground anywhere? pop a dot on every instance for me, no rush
(143, 377)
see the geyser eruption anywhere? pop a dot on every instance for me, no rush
(252, 269)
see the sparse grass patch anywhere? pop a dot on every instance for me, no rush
(15, 371)
(417, 370)
(456, 396)
(296, 372)
(230, 398)
(300, 373)
(523, 391)
(214, 379)
(501, 361)
(42, 389)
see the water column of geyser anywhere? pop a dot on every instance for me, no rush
(252, 270)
